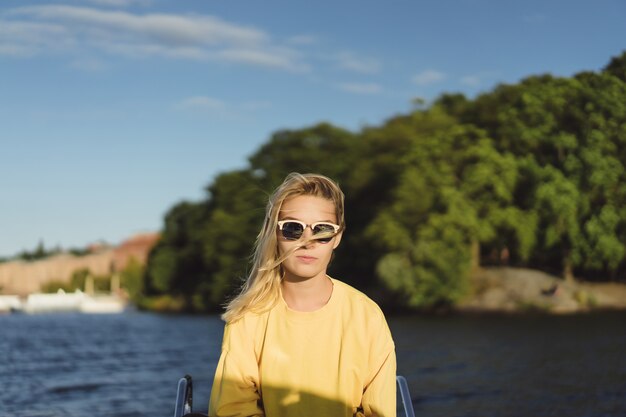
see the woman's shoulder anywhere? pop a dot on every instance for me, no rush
(249, 321)
(361, 312)
(247, 330)
(356, 298)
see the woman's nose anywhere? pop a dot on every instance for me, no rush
(308, 234)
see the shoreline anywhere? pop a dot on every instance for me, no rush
(506, 290)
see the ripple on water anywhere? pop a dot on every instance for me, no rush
(74, 365)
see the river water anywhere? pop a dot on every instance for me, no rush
(75, 365)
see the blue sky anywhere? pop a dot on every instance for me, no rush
(112, 111)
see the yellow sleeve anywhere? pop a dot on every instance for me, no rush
(379, 396)
(235, 387)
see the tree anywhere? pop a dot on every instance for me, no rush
(454, 188)
(322, 148)
(132, 279)
(235, 215)
(536, 169)
(617, 67)
(568, 135)
(175, 265)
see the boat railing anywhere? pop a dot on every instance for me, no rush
(184, 398)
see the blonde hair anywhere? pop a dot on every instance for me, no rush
(261, 290)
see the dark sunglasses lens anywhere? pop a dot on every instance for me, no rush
(292, 230)
(324, 228)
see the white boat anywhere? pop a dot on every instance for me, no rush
(76, 301)
(54, 302)
(9, 303)
(102, 304)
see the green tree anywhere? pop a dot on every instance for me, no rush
(78, 278)
(375, 171)
(176, 265)
(535, 168)
(568, 136)
(336, 153)
(236, 212)
(451, 198)
(617, 67)
(558, 201)
(132, 279)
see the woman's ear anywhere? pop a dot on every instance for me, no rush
(337, 239)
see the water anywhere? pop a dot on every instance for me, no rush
(515, 366)
(74, 365)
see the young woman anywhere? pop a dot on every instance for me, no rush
(298, 342)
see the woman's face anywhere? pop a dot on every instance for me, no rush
(311, 260)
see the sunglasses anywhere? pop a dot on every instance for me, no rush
(293, 229)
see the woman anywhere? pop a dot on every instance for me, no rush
(298, 342)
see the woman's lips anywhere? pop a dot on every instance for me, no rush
(306, 259)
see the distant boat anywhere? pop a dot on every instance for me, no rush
(76, 301)
(10, 303)
(53, 302)
(102, 304)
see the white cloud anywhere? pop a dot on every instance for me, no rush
(262, 58)
(428, 77)
(54, 29)
(361, 88)
(15, 50)
(147, 49)
(117, 3)
(471, 80)
(205, 106)
(169, 29)
(351, 62)
(28, 38)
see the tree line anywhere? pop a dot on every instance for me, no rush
(530, 174)
(41, 252)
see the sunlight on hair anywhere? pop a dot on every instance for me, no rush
(261, 290)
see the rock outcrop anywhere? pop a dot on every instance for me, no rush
(523, 290)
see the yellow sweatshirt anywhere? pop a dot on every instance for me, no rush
(334, 362)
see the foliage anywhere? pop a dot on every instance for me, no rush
(101, 283)
(568, 135)
(132, 279)
(175, 264)
(78, 279)
(531, 174)
(55, 285)
(40, 252)
(79, 251)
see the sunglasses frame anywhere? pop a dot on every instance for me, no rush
(335, 227)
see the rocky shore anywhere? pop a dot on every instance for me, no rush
(512, 290)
